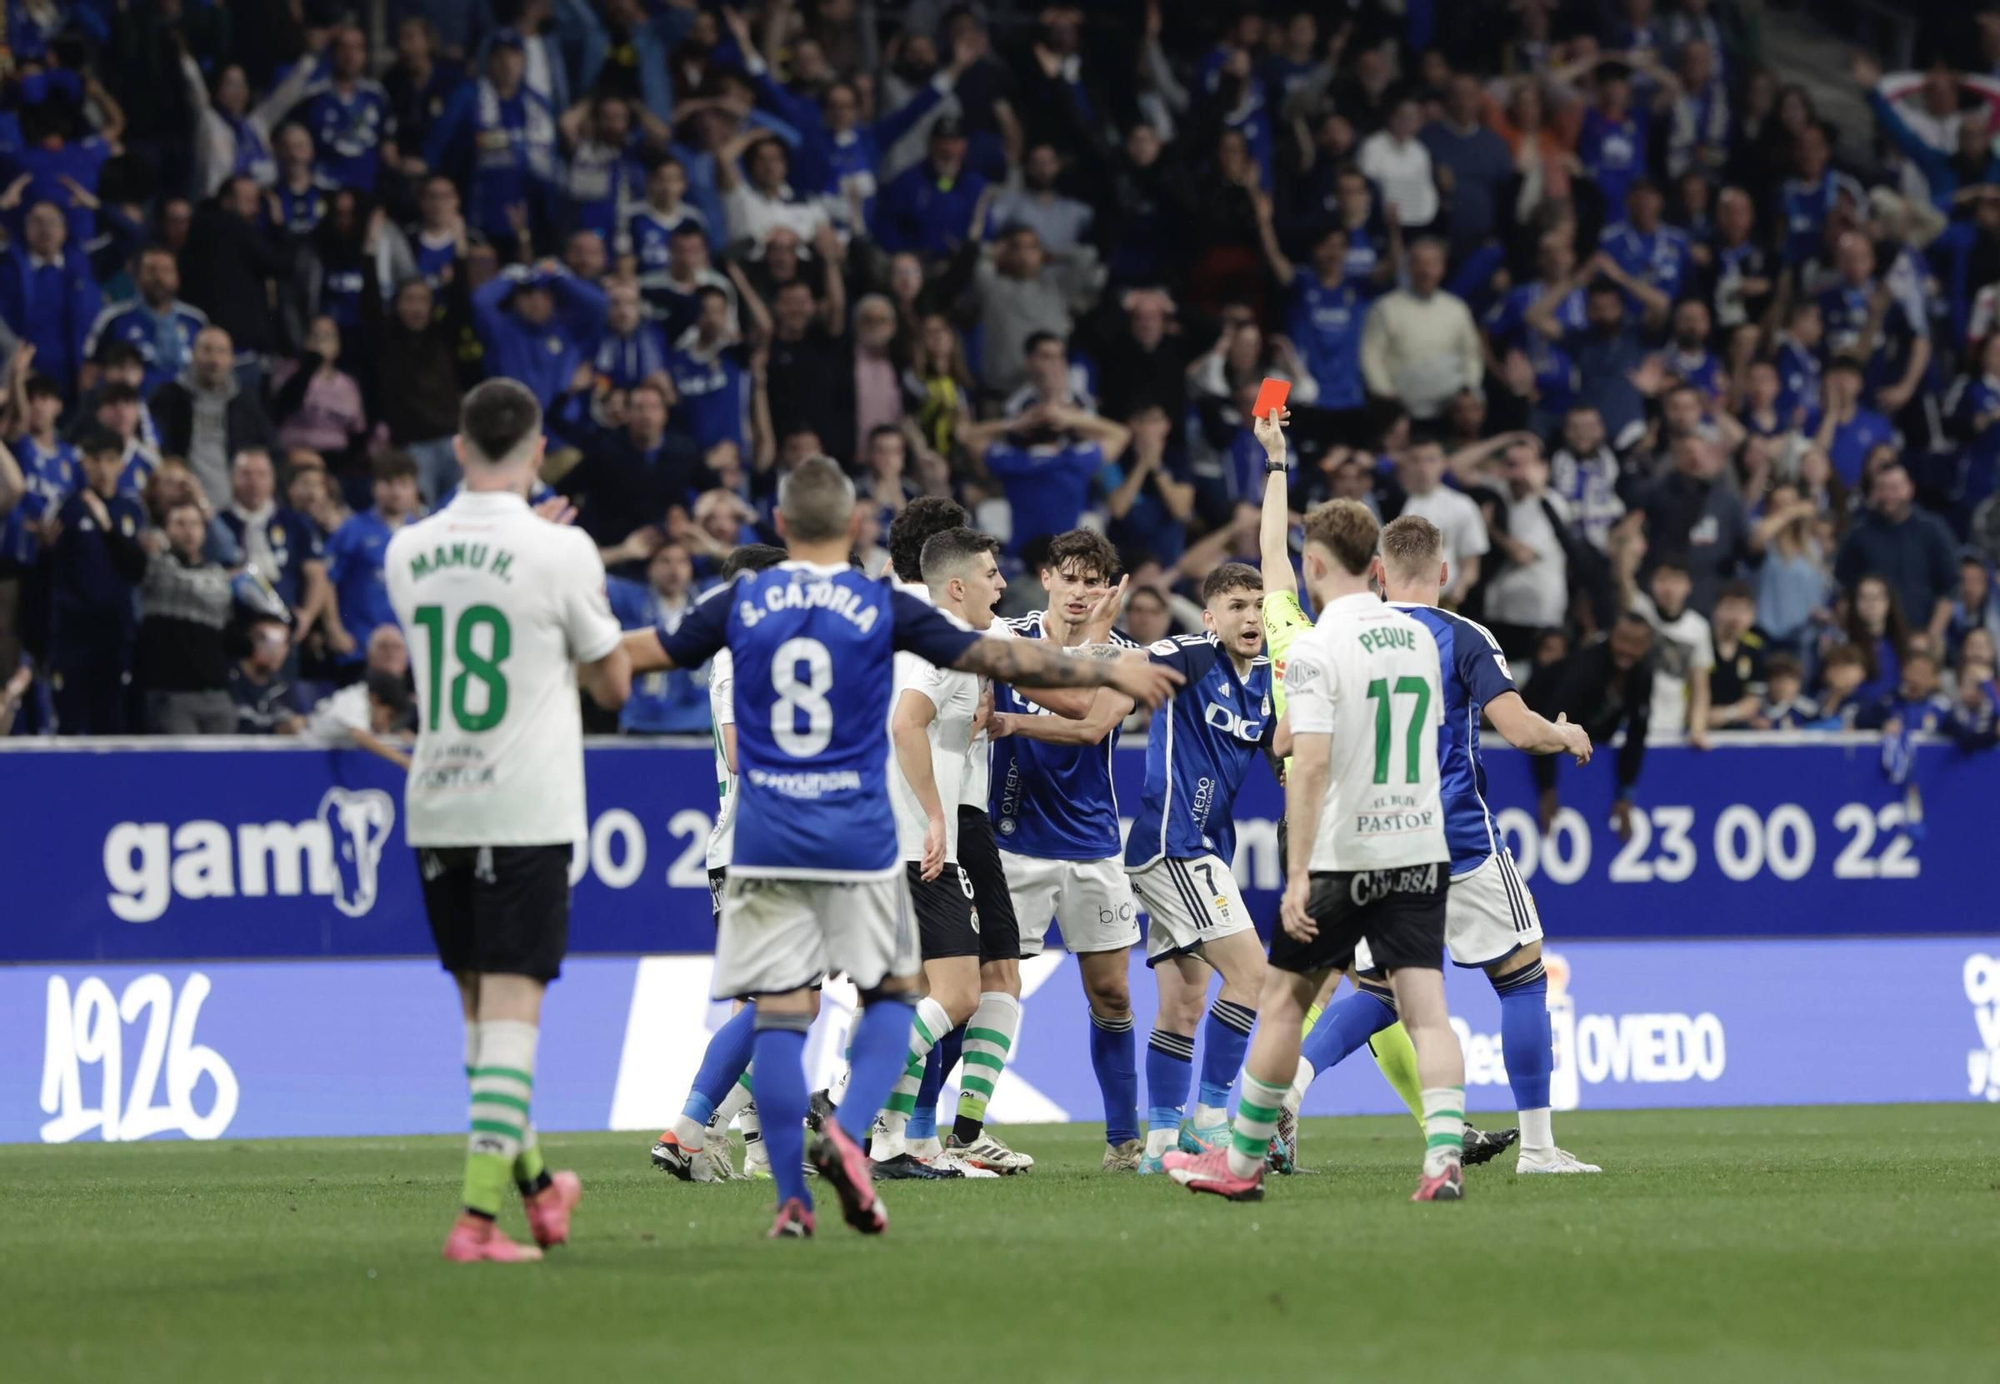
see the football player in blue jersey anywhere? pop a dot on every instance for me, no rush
(1490, 917)
(1179, 856)
(814, 883)
(1056, 813)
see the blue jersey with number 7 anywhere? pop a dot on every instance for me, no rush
(814, 649)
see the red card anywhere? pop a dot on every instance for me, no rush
(1272, 395)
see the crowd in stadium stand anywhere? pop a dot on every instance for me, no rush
(1704, 394)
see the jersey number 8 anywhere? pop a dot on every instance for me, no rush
(796, 697)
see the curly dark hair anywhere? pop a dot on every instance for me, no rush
(922, 519)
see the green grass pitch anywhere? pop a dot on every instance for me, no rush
(1821, 1244)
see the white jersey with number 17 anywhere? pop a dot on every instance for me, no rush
(1369, 676)
(499, 606)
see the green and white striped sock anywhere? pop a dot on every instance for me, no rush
(930, 1025)
(746, 1118)
(503, 1080)
(1444, 1128)
(989, 1042)
(1256, 1123)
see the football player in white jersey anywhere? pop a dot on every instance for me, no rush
(931, 727)
(986, 1039)
(696, 1147)
(1363, 799)
(506, 615)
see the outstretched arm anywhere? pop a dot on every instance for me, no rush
(1527, 729)
(1274, 522)
(1025, 663)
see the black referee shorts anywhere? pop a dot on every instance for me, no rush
(979, 857)
(498, 910)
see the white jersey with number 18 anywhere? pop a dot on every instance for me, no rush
(1368, 676)
(499, 606)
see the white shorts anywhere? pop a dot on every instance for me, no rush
(1090, 899)
(1187, 903)
(780, 935)
(1489, 913)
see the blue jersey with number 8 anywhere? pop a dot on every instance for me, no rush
(814, 650)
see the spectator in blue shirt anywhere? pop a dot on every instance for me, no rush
(354, 560)
(349, 116)
(1047, 461)
(1645, 247)
(631, 348)
(303, 194)
(650, 230)
(501, 136)
(1797, 360)
(157, 323)
(1896, 360)
(48, 297)
(1841, 426)
(1153, 500)
(936, 206)
(602, 178)
(538, 327)
(1816, 191)
(58, 167)
(1612, 143)
(672, 703)
(1326, 314)
(710, 378)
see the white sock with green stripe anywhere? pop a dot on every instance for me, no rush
(1444, 1128)
(1256, 1124)
(989, 1042)
(926, 1030)
(503, 1081)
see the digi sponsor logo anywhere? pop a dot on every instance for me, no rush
(337, 854)
(1982, 989)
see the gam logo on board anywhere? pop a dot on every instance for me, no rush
(337, 854)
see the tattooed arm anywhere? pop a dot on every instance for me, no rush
(1030, 663)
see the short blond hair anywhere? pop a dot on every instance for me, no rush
(1346, 529)
(1412, 546)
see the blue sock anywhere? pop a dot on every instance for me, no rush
(728, 1054)
(881, 1051)
(1347, 1025)
(1169, 1072)
(781, 1098)
(1525, 1044)
(922, 1123)
(1222, 1049)
(1114, 1057)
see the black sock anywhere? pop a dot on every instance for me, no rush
(534, 1185)
(475, 1211)
(966, 1130)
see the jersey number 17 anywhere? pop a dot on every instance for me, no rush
(1379, 693)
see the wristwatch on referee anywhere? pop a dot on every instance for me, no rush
(1271, 468)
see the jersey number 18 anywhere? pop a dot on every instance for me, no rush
(474, 665)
